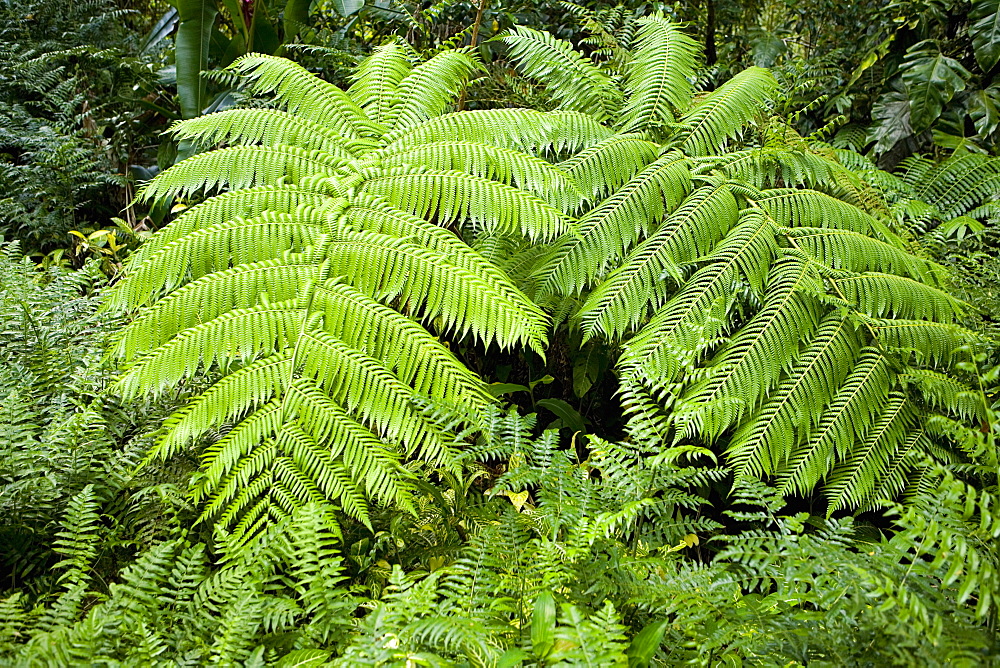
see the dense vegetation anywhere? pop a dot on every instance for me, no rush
(540, 334)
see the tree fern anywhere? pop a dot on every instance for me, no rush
(763, 298)
(301, 283)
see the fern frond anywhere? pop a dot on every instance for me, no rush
(946, 393)
(569, 77)
(608, 231)
(607, 165)
(303, 94)
(659, 76)
(389, 269)
(764, 443)
(527, 130)
(212, 295)
(496, 163)
(239, 167)
(852, 482)
(246, 203)
(930, 342)
(746, 369)
(686, 321)
(261, 126)
(215, 248)
(236, 336)
(853, 251)
(845, 421)
(622, 299)
(377, 76)
(454, 196)
(724, 113)
(429, 88)
(809, 208)
(890, 296)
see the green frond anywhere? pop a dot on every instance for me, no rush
(311, 474)
(495, 163)
(298, 91)
(945, 393)
(527, 130)
(845, 421)
(387, 268)
(246, 203)
(243, 440)
(930, 342)
(404, 347)
(956, 185)
(239, 167)
(269, 127)
(808, 208)
(604, 167)
(458, 197)
(659, 75)
(371, 214)
(212, 295)
(429, 89)
(608, 231)
(240, 335)
(851, 483)
(744, 371)
(623, 299)
(366, 457)
(765, 442)
(570, 78)
(233, 242)
(891, 296)
(853, 251)
(695, 314)
(724, 113)
(364, 386)
(234, 395)
(377, 76)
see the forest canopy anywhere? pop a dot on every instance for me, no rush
(482, 334)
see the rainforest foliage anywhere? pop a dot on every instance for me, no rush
(479, 334)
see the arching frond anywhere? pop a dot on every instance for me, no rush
(496, 163)
(844, 422)
(745, 370)
(246, 203)
(945, 393)
(886, 295)
(218, 247)
(390, 269)
(725, 112)
(239, 167)
(659, 76)
(261, 126)
(765, 443)
(695, 314)
(605, 166)
(931, 342)
(622, 299)
(533, 132)
(429, 88)
(852, 482)
(608, 231)
(569, 77)
(376, 78)
(455, 196)
(808, 208)
(296, 90)
(853, 251)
